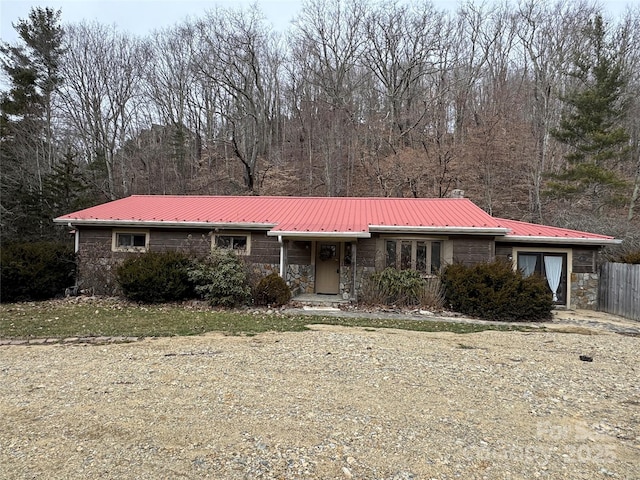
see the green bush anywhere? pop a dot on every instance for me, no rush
(394, 287)
(272, 290)
(494, 291)
(155, 277)
(221, 279)
(35, 271)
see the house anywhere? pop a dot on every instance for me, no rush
(327, 245)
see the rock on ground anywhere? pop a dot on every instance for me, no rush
(330, 403)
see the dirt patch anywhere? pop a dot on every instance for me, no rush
(330, 403)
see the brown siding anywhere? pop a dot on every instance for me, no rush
(584, 260)
(264, 249)
(470, 251)
(193, 242)
(366, 252)
(299, 252)
(503, 251)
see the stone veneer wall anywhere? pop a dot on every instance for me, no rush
(584, 290)
(346, 280)
(300, 278)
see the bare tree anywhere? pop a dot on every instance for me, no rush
(103, 69)
(327, 44)
(233, 50)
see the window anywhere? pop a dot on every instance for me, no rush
(130, 241)
(421, 255)
(238, 243)
(552, 266)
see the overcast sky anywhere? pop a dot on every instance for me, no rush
(143, 16)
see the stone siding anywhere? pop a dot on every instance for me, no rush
(299, 278)
(584, 290)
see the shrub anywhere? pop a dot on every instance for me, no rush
(630, 257)
(35, 271)
(395, 287)
(432, 295)
(401, 288)
(272, 290)
(155, 277)
(495, 291)
(221, 279)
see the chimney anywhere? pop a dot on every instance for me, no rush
(457, 193)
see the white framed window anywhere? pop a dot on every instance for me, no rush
(240, 243)
(130, 241)
(425, 256)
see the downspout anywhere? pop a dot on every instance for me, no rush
(281, 256)
(76, 241)
(76, 248)
(354, 268)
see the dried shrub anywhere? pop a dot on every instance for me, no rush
(432, 294)
(272, 290)
(630, 257)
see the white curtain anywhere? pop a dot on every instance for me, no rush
(527, 264)
(553, 267)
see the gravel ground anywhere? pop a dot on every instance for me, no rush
(329, 404)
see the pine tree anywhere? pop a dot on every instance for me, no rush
(591, 124)
(26, 126)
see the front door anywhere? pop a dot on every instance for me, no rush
(328, 268)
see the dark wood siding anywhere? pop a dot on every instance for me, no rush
(585, 260)
(470, 251)
(299, 252)
(193, 242)
(366, 252)
(503, 251)
(264, 249)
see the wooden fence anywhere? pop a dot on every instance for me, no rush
(619, 291)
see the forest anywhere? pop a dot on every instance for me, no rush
(532, 108)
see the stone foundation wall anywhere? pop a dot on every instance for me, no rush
(584, 291)
(300, 278)
(346, 280)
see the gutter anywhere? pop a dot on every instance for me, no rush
(435, 230)
(312, 234)
(560, 240)
(162, 224)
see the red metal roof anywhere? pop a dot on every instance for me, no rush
(521, 230)
(299, 216)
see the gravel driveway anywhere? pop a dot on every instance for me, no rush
(329, 404)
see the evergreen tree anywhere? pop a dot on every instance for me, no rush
(27, 140)
(591, 124)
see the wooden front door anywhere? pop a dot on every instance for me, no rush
(328, 268)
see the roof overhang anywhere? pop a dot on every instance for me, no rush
(449, 230)
(333, 235)
(561, 240)
(161, 224)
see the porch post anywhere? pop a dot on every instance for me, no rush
(354, 269)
